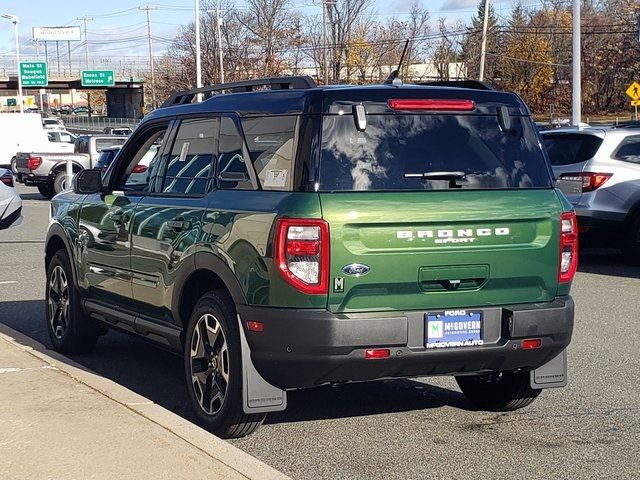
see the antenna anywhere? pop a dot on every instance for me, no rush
(393, 79)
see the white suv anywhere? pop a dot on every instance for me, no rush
(598, 169)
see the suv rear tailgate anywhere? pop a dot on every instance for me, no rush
(442, 249)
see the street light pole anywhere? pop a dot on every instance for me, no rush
(483, 48)
(14, 19)
(148, 8)
(576, 96)
(218, 23)
(198, 61)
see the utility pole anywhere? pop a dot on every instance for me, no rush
(324, 42)
(85, 19)
(198, 61)
(148, 8)
(483, 48)
(576, 95)
(218, 24)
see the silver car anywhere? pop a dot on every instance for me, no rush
(598, 169)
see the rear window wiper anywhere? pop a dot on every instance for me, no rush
(451, 176)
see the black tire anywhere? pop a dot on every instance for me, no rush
(499, 392)
(631, 246)
(209, 370)
(59, 182)
(14, 168)
(46, 191)
(69, 329)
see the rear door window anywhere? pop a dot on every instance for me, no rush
(233, 168)
(570, 148)
(409, 152)
(272, 144)
(189, 166)
(629, 150)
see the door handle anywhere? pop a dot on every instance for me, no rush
(119, 216)
(179, 224)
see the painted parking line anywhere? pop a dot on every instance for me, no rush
(8, 282)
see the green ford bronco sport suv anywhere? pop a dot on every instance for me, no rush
(280, 235)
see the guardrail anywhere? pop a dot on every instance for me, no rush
(96, 123)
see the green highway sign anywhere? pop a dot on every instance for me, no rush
(34, 74)
(98, 78)
(12, 102)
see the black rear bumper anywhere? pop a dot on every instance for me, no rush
(305, 348)
(31, 180)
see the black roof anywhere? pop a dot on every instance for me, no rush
(329, 99)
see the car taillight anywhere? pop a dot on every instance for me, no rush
(590, 180)
(139, 169)
(34, 162)
(7, 180)
(437, 104)
(568, 247)
(302, 253)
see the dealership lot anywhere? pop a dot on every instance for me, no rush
(402, 429)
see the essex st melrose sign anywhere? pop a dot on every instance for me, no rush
(98, 78)
(34, 74)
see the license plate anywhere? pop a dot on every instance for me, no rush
(453, 328)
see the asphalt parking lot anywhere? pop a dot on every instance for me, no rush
(402, 429)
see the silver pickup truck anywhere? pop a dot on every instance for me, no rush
(47, 170)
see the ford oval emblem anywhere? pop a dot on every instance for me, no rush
(355, 269)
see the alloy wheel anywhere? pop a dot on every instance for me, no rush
(58, 302)
(209, 358)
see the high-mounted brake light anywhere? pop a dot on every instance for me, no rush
(302, 253)
(568, 247)
(436, 104)
(590, 180)
(34, 162)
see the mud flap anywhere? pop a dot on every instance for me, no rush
(258, 395)
(552, 374)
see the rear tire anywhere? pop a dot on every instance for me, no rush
(69, 329)
(46, 191)
(213, 368)
(502, 392)
(14, 168)
(60, 182)
(631, 247)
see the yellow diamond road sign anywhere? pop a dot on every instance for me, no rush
(634, 91)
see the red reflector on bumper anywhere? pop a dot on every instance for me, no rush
(531, 344)
(372, 353)
(255, 326)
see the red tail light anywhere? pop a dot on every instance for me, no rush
(438, 104)
(590, 180)
(531, 344)
(139, 169)
(375, 353)
(34, 162)
(302, 254)
(7, 180)
(568, 247)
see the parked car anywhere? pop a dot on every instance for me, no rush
(52, 123)
(10, 202)
(80, 111)
(598, 169)
(106, 158)
(47, 170)
(296, 236)
(117, 130)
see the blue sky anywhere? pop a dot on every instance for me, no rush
(119, 28)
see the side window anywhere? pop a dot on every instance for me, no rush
(629, 150)
(233, 172)
(272, 145)
(189, 165)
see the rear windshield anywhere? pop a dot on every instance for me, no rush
(404, 152)
(102, 143)
(567, 149)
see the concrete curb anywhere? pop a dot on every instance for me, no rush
(243, 463)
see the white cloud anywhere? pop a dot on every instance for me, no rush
(459, 4)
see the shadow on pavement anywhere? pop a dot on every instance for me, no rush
(157, 375)
(33, 196)
(605, 261)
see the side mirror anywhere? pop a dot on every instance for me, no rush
(87, 181)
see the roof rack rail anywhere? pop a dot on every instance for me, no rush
(473, 84)
(274, 83)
